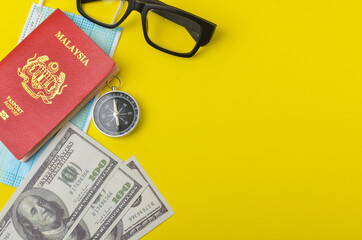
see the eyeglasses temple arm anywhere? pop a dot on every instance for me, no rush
(117, 12)
(192, 27)
(189, 25)
(87, 1)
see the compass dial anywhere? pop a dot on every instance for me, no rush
(116, 114)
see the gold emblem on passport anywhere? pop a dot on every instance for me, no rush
(3, 115)
(40, 79)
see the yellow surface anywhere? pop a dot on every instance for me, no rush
(259, 135)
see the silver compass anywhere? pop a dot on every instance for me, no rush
(115, 113)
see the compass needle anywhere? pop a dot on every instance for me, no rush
(116, 113)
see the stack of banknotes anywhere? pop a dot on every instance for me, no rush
(80, 190)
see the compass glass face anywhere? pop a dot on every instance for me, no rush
(115, 114)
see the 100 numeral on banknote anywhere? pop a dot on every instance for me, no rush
(57, 192)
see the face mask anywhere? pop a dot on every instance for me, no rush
(12, 171)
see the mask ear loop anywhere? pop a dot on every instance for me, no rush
(40, 3)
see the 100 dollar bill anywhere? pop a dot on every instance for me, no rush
(110, 206)
(57, 192)
(128, 208)
(146, 213)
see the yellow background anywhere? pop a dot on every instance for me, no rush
(259, 135)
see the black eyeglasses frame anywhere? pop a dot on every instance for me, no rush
(143, 6)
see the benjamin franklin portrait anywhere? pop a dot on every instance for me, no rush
(39, 214)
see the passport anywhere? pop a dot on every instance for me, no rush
(45, 80)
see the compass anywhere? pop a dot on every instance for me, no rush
(115, 113)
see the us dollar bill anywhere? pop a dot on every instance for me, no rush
(146, 213)
(110, 205)
(57, 192)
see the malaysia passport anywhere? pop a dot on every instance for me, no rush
(45, 80)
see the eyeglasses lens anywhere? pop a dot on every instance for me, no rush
(172, 31)
(105, 11)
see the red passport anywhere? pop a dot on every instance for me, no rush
(45, 80)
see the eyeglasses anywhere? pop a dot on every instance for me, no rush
(166, 28)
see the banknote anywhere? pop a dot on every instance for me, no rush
(146, 213)
(59, 189)
(110, 205)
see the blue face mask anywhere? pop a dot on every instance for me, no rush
(12, 171)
